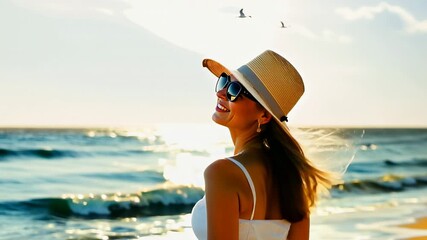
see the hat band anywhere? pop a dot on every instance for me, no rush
(262, 90)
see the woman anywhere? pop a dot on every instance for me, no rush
(266, 189)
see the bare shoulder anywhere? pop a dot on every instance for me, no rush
(221, 170)
(222, 200)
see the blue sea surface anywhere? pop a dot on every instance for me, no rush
(143, 183)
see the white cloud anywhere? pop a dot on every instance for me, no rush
(325, 35)
(369, 12)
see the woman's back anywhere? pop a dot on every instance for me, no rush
(267, 200)
(256, 218)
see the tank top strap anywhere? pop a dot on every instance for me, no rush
(251, 183)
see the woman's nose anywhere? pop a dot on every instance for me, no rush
(222, 93)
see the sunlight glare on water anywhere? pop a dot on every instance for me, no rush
(197, 145)
(195, 137)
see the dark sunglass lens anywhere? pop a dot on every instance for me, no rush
(233, 91)
(221, 83)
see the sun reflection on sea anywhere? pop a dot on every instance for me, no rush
(195, 147)
(186, 169)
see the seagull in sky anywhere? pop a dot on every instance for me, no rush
(283, 25)
(242, 15)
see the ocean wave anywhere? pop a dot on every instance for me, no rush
(386, 165)
(147, 176)
(384, 184)
(47, 153)
(418, 162)
(38, 153)
(158, 202)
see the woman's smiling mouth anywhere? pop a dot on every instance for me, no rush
(221, 108)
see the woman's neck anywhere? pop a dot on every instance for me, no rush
(243, 141)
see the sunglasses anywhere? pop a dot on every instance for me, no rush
(234, 89)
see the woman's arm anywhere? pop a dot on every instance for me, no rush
(300, 230)
(222, 201)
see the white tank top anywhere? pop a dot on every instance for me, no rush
(248, 229)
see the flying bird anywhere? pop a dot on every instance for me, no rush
(283, 25)
(242, 15)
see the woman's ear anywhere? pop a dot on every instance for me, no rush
(265, 117)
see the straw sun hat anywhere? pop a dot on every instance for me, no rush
(271, 79)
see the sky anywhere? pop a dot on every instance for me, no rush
(119, 63)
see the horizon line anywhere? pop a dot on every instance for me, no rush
(101, 126)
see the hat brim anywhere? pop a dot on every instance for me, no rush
(217, 69)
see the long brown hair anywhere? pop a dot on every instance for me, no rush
(295, 177)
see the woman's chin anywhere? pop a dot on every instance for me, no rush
(217, 119)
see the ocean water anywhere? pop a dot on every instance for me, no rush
(143, 183)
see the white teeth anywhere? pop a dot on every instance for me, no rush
(221, 107)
